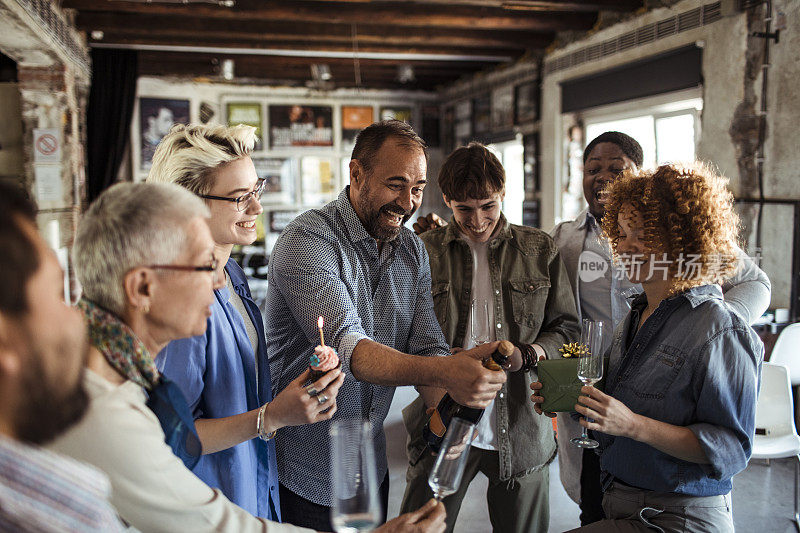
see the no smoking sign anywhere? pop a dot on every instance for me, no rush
(46, 146)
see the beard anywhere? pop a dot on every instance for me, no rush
(48, 410)
(372, 217)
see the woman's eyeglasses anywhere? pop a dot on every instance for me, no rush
(242, 201)
(190, 268)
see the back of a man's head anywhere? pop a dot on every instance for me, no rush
(19, 259)
(471, 172)
(370, 140)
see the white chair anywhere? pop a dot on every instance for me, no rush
(776, 436)
(787, 352)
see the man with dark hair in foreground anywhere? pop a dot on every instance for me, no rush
(42, 354)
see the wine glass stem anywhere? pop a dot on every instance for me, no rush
(588, 383)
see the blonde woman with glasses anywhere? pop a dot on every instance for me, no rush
(224, 373)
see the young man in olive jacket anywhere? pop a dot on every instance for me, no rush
(518, 271)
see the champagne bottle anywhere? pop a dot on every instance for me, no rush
(436, 427)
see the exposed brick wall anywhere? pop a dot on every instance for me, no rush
(41, 78)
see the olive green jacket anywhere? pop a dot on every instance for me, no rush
(533, 303)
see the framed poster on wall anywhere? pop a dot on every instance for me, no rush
(354, 119)
(278, 177)
(463, 132)
(527, 102)
(448, 137)
(482, 114)
(317, 180)
(300, 125)
(463, 110)
(279, 219)
(530, 154)
(156, 117)
(462, 129)
(397, 113)
(530, 214)
(503, 108)
(248, 113)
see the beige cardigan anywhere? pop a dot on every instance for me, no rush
(152, 490)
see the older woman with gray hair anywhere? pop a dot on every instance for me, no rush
(145, 258)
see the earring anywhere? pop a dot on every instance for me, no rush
(146, 308)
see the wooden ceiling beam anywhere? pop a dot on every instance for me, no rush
(206, 65)
(395, 14)
(226, 44)
(372, 78)
(539, 5)
(283, 61)
(147, 26)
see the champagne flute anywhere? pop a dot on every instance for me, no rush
(355, 505)
(445, 477)
(590, 368)
(479, 321)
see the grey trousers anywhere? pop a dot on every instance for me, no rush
(634, 510)
(521, 506)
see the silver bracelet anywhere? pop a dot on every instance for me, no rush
(261, 425)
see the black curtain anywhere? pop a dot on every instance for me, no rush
(109, 116)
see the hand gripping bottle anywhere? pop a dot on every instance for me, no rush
(436, 427)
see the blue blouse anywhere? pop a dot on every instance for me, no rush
(217, 374)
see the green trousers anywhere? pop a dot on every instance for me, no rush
(518, 506)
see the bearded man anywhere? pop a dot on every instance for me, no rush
(43, 351)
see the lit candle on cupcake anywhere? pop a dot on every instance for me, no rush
(324, 357)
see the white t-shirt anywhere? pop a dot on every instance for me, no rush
(482, 290)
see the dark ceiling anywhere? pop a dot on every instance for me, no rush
(363, 42)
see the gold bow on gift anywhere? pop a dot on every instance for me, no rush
(574, 349)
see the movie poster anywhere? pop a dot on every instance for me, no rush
(278, 175)
(248, 113)
(156, 117)
(527, 102)
(300, 125)
(503, 108)
(354, 119)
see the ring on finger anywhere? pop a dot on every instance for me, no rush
(311, 390)
(322, 398)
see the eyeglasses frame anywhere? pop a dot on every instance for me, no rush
(189, 268)
(242, 200)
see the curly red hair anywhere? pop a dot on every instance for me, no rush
(686, 211)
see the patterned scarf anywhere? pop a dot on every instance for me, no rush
(128, 355)
(119, 345)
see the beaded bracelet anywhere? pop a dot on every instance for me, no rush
(528, 356)
(260, 425)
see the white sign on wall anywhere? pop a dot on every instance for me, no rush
(46, 145)
(49, 190)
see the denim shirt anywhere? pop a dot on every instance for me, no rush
(747, 292)
(217, 374)
(694, 363)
